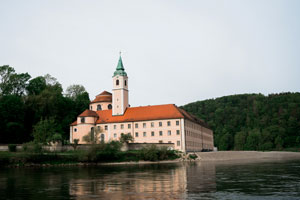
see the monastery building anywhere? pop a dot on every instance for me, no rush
(111, 113)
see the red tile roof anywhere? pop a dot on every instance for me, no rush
(103, 97)
(88, 113)
(143, 113)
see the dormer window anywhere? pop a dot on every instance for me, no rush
(117, 82)
(99, 107)
(82, 119)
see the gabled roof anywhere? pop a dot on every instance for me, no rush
(88, 113)
(103, 97)
(143, 113)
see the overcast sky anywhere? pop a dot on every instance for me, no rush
(173, 51)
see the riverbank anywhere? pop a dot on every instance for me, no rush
(247, 155)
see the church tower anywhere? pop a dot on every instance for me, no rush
(120, 90)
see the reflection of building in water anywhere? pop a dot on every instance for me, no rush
(165, 183)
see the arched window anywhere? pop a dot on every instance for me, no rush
(102, 137)
(109, 106)
(125, 82)
(117, 82)
(82, 120)
(99, 107)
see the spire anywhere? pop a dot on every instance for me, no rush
(120, 68)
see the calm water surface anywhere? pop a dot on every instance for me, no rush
(264, 180)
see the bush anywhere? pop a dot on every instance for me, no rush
(12, 147)
(32, 147)
(153, 153)
(193, 156)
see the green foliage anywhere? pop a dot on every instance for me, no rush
(125, 138)
(12, 148)
(193, 156)
(93, 136)
(153, 153)
(45, 130)
(32, 147)
(75, 144)
(252, 121)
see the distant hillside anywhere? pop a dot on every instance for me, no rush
(252, 121)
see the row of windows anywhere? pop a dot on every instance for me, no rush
(118, 82)
(160, 133)
(152, 124)
(177, 142)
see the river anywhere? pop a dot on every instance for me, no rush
(200, 180)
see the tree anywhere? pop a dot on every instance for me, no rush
(93, 136)
(125, 138)
(252, 140)
(44, 130)
(73, 91)
(240, 140)
(36, 85)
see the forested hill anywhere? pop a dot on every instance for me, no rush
(252, 121)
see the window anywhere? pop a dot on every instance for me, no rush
(109, 106)
(160, 141)
(178, 143)
(91, 107)
(144, 125)
(105, 127)
(115, 135)
(177, 123)
(136, 134)
(144, 134)
(160, 124)
(125, 82)
(115, 126)
(152, 124)
(98, 127)
(99, 107)
(136, 125)
(152, 133)
(177, 132)
(129, 125)
(75, 129)
(169, 132)
(82, 119)
(117, 82)
(129, 133)
(160, 133)
(169, 123)
(122, 126)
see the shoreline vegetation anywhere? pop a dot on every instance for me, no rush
(150, 155)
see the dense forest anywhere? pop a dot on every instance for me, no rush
(252, 121)
(37, 107)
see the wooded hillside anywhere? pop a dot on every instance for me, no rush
(252, 121)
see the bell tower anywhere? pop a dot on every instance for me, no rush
(120, 90)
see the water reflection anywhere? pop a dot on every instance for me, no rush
(272, 180)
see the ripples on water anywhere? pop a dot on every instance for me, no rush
(264, 180)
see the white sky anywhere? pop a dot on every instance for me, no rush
(175, 51)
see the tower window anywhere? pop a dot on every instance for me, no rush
(109, 106)
(117, 82)
(82, 119)
(125, 82)
(99, 107)
(75, 129)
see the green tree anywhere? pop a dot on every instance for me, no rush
(125, 138)
(44, 130)
(36, 85)
(240, 140)
(252, 140)
(93, 136)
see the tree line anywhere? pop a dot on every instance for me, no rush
(252, 121)
(37, 108)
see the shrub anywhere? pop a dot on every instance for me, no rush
(12, 147)
(32, 147)
(153, 153)
(193, 156)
